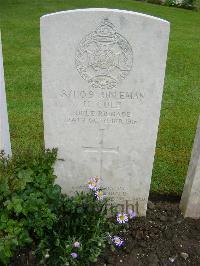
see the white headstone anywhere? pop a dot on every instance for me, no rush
(4, 126)
(190, 200)
(103, 73)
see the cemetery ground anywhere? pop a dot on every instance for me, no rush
(164, 237)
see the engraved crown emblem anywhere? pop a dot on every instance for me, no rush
(106, 28)
(104, 57)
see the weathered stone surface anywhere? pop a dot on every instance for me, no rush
(190, 200)
(103, 73)
(4, 126)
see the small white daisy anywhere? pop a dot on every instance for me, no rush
(117, 241)
(122, 218)
(132, 214)
(92, 184)
(74, 255)
(100, 195)
(77, 244)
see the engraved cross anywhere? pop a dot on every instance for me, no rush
(101, 149)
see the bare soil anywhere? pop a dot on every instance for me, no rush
(163, 238)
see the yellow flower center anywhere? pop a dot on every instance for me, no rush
(121, 217)
(100, 193)
(92, 183)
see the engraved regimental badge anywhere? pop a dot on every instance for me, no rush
(104, 57)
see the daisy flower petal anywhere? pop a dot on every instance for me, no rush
(132, 214)
(77, 244)
(122, 218)
(117, 241)
(92, 184)
(74, 255)
(100, 195)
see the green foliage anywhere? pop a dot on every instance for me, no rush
(197, 4)
(157, 2)
(187, 4)
(28, 200)
(81, 218)
(170, 3)
(34, 214)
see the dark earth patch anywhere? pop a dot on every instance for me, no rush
(163, 238)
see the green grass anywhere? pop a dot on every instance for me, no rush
(19, 22)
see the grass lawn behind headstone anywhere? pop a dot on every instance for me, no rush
(19, 22)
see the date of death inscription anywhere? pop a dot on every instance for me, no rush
(103, 106)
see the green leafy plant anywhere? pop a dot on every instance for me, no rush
(58, 229)
(187, 4)
(28, 200)
(81, 219)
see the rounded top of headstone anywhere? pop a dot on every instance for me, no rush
(121, 11)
